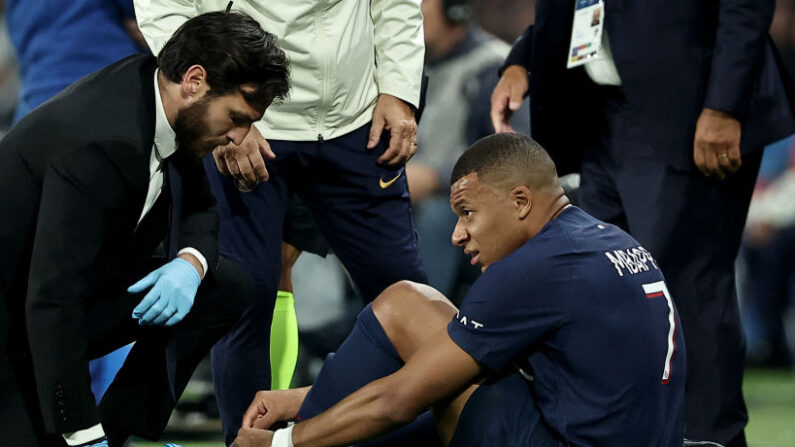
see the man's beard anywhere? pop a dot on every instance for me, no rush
(192, 129)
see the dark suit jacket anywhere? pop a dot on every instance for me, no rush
(74, 176)
(674, 59)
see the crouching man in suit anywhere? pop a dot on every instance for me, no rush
(109, 233)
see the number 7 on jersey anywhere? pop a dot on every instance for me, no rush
(658, 290)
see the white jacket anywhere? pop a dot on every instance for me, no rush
(342, 54)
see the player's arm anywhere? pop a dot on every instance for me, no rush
(438, 370)
(399, 54)
(158, 19)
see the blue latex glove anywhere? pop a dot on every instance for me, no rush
(173, 289)
(171, 444)
(99, 444)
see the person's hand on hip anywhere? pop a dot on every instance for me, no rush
(396, 116)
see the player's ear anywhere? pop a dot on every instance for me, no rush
(194, 82)
(522, 201)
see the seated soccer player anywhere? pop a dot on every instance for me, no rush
(569, 336)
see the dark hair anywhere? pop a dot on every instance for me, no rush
(235, 50)
(507, 159)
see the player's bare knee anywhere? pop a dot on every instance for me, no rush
(394, 303)
(406, 301)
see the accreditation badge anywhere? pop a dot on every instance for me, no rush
(586, 32)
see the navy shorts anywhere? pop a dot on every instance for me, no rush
(301, 231)
(502, 412)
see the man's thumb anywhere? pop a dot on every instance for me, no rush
(516, 100)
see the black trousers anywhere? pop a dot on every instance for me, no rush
(692, 225)
(154, 375)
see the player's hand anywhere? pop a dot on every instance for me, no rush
(171, 297)
(270, 407)
(716, 149)
(393, 114)
(507, 97)
(253, 437)
(246, 162)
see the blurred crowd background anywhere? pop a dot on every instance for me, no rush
(456, 32)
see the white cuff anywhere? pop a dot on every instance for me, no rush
(283, 437)
(198, 256)
(86, 436)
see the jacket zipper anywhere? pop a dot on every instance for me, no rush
(324, 99)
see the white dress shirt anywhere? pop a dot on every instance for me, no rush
(164, 146)
(602, 70)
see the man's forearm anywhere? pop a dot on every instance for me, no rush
(741, 37)
(399, 48)
(367, 413)
(196, 259)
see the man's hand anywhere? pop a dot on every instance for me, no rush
(716, 149)
(173, 289)
(253, 437)
(246, 162)
(270, 407)
(507, 97)
(394, 115)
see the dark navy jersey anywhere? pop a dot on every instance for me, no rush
(584, 309)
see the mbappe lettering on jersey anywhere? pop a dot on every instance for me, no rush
(632, 260)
